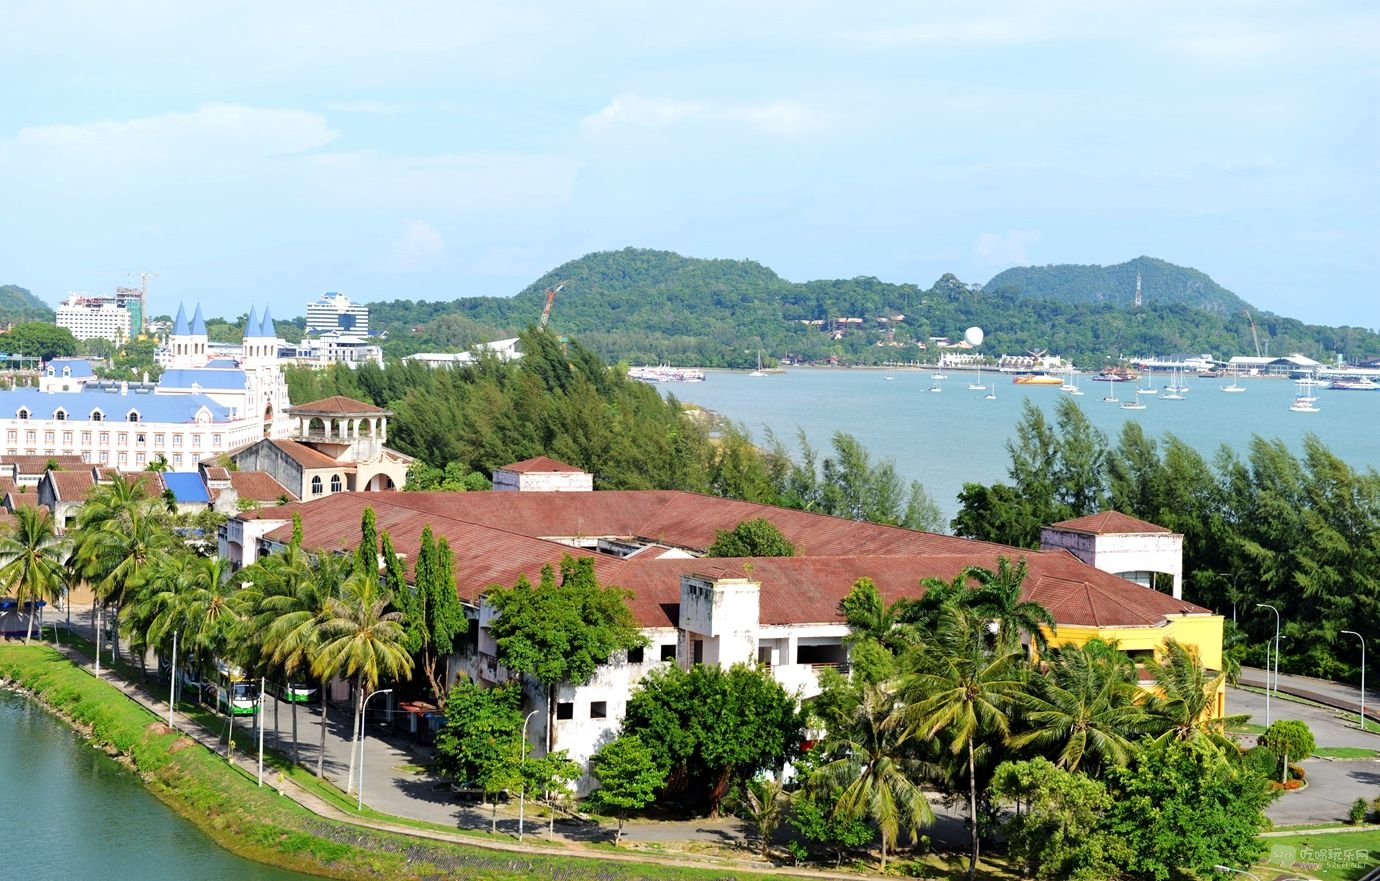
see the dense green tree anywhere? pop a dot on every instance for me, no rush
(1056, 830)
(480, 744)
(437, 618)
(1181, 806)
(997, 596)
(711, 728)
(812, 815)
(751, 538)
(629, 777)
(39, 339)
(1288, 738)
(1183, 704)
(561, 632)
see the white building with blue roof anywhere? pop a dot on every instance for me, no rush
(200, 407)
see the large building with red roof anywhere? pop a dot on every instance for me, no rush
(780, 612)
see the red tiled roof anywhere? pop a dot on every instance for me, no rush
(497, 537)
(337, 405)
(6, 485)
(259, 486)
(539, 463)
(1109, 523)
(305, 455)
(35, 464)
(15, 499)
(216, 472)
(72, 486)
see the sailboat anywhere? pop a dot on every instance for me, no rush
(1136, 404)
(758, 371)
(1110, 397)
(888, 377)
(1304, 404)
(1235, 386)
(1069, 385)
(1175, 390)
(991, 395)
(978, 385)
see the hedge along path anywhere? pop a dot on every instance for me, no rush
(302, 832)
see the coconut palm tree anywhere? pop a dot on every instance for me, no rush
(1085, 710)
(872, 765)
(295, 636)
(963, 690)
(1183, 704)
(32, 557)
(363, 640)
(998, 596)
(121, 536)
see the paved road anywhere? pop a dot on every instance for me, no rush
(1332, 785)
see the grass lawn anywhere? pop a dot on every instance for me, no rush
(1341, 856)
(1344, 752)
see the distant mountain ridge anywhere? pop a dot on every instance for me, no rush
(1161, 282)
(18, 305)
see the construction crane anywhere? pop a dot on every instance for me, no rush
(1254, 335)
(550, 298)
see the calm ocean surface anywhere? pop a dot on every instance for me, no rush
(954, 436)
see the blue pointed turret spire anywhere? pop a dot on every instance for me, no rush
(251, 326)
(268, 329)
(180, 325)
(198, 323)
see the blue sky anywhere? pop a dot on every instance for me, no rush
(255, 152)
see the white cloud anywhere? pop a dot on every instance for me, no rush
(1005, 249)
(1229, 44)
(480, 184)
(775, 118)
(417, 246)
(211, 130)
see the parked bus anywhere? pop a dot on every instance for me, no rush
(234, 693)
(293, 692)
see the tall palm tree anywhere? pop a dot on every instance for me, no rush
(1085, 709)
(32, 557)
(121, 536)
(295, 636)
(1184, 703)
(963, 689)
(874, 768)
(998, 596)
(363, 640)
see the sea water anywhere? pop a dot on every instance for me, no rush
(956, 435)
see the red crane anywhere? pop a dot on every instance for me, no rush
(550, 298)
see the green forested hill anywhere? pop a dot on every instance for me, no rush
(645, 306)
(1161, 282)
(18, 305)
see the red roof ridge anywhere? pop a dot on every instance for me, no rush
(1109, 523)
(338, 404)
(540, 463)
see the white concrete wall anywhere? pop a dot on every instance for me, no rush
(543, 481)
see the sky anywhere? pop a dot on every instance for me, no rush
(256, 153)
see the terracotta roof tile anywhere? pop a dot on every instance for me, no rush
(337, 405)
(216, 472)
(539, 464)
(1109, 523)
(498, 537)
(305, 455)
(259, 486)
(72, 486)
(33, 464)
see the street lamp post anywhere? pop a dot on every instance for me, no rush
(359, 805)
(172, 680)
(1267, 671)
(522, 765)
(1234, 577)
(1237, 871)
(1363, 675)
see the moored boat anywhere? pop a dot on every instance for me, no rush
(1361, 384)
(1036, 379)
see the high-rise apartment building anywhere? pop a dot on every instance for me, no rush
(334, 311)
(107, 318)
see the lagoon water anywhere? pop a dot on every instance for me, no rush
(69, 811)
(944, 439)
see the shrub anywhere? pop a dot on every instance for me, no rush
(1262, 760)
(1358, 812)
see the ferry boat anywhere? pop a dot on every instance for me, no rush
(1036, 379)
(1363, 384)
